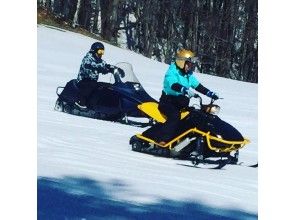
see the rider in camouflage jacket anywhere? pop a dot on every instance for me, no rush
(92, 65)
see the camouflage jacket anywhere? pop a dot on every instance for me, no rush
(92, 66)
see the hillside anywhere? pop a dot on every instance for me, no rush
(87, 170)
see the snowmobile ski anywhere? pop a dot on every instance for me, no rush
(247, 165)
(219, 165)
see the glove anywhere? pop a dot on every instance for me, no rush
(189, 91)
(110, 68)
(212, 95)
(121, 72)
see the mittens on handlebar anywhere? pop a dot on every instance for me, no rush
(212, 95)
(109, 69)
(189, 91)
(119, 71)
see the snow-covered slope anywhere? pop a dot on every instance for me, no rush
(86, 169)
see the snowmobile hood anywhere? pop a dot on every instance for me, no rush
(133, 91)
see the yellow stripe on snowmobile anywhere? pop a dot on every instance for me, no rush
(153, 142)
(232, 144)
(151, 109)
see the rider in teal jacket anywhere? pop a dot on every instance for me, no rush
(178, 87)
(173, 76)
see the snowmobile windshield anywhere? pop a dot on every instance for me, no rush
(129, 73)
(128, 76)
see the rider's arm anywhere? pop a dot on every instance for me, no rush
(94, 66)
(177, 87)
(108, 68)
(200, 88)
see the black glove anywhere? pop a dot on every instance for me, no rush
(121, 72)
(118, 71)
(212, 95)
(109, 68)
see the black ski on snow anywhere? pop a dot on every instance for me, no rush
(245, 165)
(219, 165)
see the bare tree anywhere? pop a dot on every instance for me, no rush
(97, 18)
(75, 19)
(109, 27)
(223, 33)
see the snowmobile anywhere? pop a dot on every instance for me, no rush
(115, 99)
(201, 137)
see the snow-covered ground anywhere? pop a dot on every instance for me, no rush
(86, 169)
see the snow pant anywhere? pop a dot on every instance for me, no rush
(86, 87)
(173, 117)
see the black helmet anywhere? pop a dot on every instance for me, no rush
(97, 46)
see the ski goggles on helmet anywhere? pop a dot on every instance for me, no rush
(100, 52)
(190, 64)
(192, 60)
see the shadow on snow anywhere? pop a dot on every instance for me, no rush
(83, 198)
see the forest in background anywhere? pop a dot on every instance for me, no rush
(223, 33)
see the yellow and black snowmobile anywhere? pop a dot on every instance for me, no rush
(201, 136)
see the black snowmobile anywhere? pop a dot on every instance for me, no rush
(115, 99)
(201, 137)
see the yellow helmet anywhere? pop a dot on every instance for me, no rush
(184, 55)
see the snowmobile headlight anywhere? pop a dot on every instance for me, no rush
(213, 109)
(137, 86)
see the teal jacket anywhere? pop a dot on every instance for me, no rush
(174, 75)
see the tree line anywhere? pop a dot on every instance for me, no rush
(223, 33)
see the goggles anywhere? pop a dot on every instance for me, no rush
(100, 52)
(192, 60)
(190, 64)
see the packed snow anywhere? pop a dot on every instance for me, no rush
(87, 170)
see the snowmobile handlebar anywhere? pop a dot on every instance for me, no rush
(208, 108)
(196, 96)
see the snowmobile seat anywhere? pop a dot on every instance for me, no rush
(70, 92)
(151, 109)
